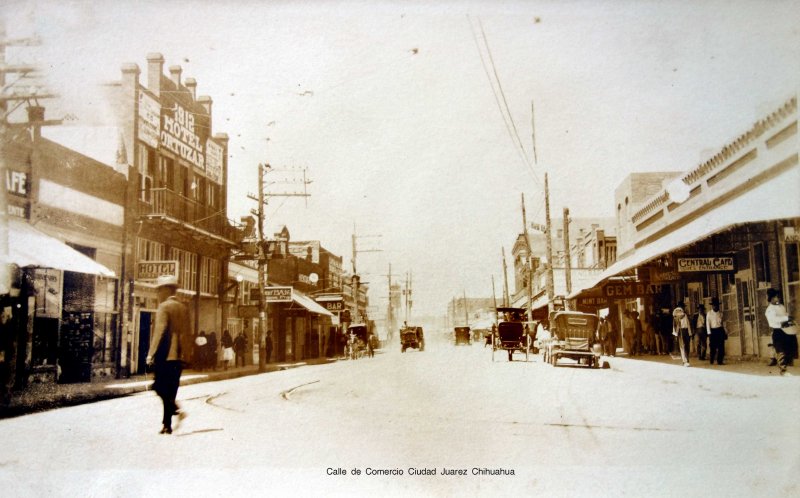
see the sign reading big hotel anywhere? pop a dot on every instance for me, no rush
(710, 263)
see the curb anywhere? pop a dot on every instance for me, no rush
(91, 393)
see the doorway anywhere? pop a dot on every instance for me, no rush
(145, 328)
(745, 291)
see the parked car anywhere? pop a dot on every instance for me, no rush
(573, 335)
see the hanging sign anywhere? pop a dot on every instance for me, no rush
(631, 290)
(706, 263)
(278, 294)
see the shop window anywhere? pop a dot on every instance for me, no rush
(761, 265)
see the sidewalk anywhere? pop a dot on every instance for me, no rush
(748, 366)
(42, 397)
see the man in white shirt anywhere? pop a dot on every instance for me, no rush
(785, 344)
(716, 334)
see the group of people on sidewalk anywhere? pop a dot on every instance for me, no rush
(703, 328)
(206, 354)
(702, 332)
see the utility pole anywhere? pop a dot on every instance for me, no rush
(548, 230)
(567, 257)
(529, 263)
(263, 255)
(466, 309)
(494, 299)
(506, 299)
(356, 278)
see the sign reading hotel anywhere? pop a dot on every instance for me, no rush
(178, 136)
(278, 294)
(149, 120)
(710, 263)
(151, 270)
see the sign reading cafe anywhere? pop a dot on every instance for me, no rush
(709, 263)
(178, 136)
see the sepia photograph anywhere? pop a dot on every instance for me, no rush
(399, 248)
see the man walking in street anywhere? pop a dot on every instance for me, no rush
(716, 334)
(166, 351)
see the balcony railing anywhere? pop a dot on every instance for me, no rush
(165, 202)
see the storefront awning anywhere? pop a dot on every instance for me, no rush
(309, 304)
(766, 202)
(30, 247)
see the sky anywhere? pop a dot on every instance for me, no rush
(394, 111)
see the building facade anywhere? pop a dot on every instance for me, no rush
(726, 229)
(177, 193)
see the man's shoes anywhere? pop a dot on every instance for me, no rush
(166, 430)
(686, 364)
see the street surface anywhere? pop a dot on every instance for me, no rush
(637, 429)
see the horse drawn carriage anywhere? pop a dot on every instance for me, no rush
(513, 333)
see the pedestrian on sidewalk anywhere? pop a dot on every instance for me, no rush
(227, 348)
(268, 352)
(716, 334)
(785, 344)
(681, 330)
(637, 334)
(701, 334)
(166, 351)
(628, 332)
(240, 347)
(211, 350)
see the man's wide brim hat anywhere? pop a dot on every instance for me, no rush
(714, 301)
(167, 280)
(772, 293)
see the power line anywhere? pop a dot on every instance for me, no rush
(496, 97)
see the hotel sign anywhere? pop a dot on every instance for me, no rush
(178, 136)
(151, 270)
(705, 264)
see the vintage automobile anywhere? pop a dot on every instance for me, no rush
(462, 335)
(412, 337)
(573, 335)
(511, 333)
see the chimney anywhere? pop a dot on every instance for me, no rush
(191, 84)
(155, 66)
(175, 75)
(206, 102)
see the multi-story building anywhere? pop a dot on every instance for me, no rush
(178, 196)
(66, 219)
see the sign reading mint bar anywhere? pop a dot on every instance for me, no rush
(706, 263)
(278, 294)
